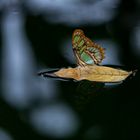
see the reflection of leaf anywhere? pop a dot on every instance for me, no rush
(94, 73)
(86, 93)
(88, 87)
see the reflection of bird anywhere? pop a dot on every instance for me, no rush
(88, 56)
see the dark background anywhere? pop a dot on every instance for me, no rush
(36, 35)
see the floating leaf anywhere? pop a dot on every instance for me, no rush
(94, 73)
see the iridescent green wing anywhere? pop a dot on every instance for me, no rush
(86, 51)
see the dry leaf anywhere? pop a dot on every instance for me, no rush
(94, 73)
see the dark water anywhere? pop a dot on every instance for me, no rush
(36, 36)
